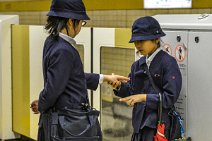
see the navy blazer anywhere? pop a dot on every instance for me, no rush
(166, 75)
(65, 83)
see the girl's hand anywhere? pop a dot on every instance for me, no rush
(34, 107)
(113, 78)
(115, 84)
(131, 100)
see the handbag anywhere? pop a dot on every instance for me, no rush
(177, 132)
(75, 125)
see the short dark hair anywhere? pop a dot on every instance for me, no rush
(55, 24)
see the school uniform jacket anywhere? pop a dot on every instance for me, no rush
(166, 75)
(65, 83)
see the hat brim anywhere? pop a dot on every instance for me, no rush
(146, 37)
(71, 15)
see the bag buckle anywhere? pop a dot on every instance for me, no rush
(85, 106)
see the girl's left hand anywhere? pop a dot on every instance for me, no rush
(34, 107)
(131, 100)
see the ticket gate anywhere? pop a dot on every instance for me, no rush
(5, 76)
(112, 54)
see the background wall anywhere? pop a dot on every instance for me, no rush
(107, 18)
(103, 13)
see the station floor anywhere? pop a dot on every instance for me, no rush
(22, 138)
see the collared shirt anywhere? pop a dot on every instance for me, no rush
(68, 39)
(151, 57)
(73, 43)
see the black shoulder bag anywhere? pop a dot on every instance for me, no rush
(74, 124)
(176, 125)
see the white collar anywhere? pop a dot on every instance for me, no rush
(152, 56)
(68, 39)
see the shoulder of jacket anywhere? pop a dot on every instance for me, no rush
(167, 59)
(137, 61)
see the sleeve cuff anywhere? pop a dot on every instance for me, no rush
(101, 78)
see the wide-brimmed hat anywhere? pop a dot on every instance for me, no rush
(146, 28)
(73, 9)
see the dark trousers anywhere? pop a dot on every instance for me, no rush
(146, 134)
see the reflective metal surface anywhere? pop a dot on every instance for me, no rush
(116, 116)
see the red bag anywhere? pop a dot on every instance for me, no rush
(160, 136)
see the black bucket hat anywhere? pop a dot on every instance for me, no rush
(73, 9)
(146, 28)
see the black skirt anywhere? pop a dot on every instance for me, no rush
(146, 134)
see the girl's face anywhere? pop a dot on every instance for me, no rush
(74, 30)
(146, 47)
(78, 28)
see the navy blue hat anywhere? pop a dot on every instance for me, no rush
(146, 28)
(73, 9)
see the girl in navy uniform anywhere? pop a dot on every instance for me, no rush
(138, 92)
(65, 83)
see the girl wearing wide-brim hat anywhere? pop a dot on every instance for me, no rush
(65, 83)
(139, 92)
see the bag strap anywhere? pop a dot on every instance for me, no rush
(159, 93)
